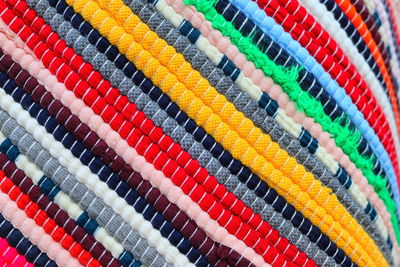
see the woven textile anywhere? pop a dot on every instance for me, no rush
(199, 133)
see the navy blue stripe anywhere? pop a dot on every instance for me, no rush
(306, 79)
(50, 189)
(354, 35)
(24, 247)
(244, 174)
(308, 141)
(270, 105)
(377, 19)
(344, 178)
(103, 171)
(189, 31)
(227, 66)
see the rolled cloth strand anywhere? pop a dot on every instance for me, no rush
(86, 5)
(333, 28)
(28, 226)
(140, 140)
(110, 181)
(208, 10)
(78, 108)
(158, 114)
(169, 252)
(73, 38)
(31, 230)
(65, 202)
(325, 50)
(114, 218)
(244, 29)
(378, 149)
(256, 76)
(9, 255)
(282, 243)
(356, 19)
(131, 238)
(268, 126)
(352, 152)
(23, 245)
(54, 211)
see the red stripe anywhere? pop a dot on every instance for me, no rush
(40, 217)
(156, 147)
(309, 33)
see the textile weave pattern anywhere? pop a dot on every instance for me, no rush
(199, 133)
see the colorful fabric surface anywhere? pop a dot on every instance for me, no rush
(199, 133)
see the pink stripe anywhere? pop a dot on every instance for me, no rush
(10, 255)
(248, 68)
(129, 154)
(34, 233)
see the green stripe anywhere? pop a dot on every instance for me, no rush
(287, 78)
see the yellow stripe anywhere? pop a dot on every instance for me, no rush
(211, 110)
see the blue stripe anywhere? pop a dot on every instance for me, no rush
(105, 173)
(24, 247)
(251, 180)
(51, 190)
(277, 34)
(308, 141)
(354, 35)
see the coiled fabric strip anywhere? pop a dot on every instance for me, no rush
(12, 217)
(361, 27)
(138, 161)
(55, 212)
(80, 131)
(264, 229)
(130, 238)
(129, 195)
(356, 38)
(303, 27)
(386, 30)
(248, 69)
(352, 152)
(83, 167)
(9, 196)
(74, 38)
(327, 179)
(358, 117)
(64, 201)
(16, 239)
(340, 36)
(386, 198)
(10, 256)
(199, 133)
(87, 5)
(55, 232)
(287, 149)
(387, 166)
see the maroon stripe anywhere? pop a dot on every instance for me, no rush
(56, 213)
(371, 25)
(214, 252)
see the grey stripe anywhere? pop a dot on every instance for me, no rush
(224, 85)
(259, 116)
(86, 199)
(178, 133)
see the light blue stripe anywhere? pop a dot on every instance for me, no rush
(278, 35)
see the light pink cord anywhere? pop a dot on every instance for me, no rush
(10, 255)
(35, 233)
(157, 179)
(224, 45)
